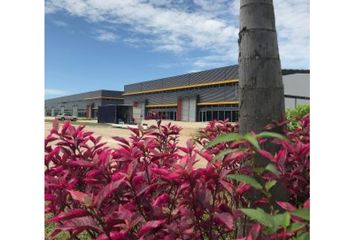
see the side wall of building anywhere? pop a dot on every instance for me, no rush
(296, 89)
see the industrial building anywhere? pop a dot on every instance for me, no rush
(203, 96)
(199, 96)
(83, 104)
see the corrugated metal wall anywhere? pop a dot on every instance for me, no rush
(155, 84)
(211, 94)
(133, 87)
(111, 102)
(176, 81)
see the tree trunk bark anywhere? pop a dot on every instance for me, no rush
(261, 86)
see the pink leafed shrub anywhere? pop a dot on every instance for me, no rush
(149, 188)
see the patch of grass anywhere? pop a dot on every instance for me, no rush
(49, 228)
(293, 115)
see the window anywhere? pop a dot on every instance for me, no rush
(228, 115)
(208, 115)
(81, 113)
(215, 115)
(67, 112)
(221, 115)
(234, 116)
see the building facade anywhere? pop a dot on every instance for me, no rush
(203, 96)
(200, 96)
(83, 104)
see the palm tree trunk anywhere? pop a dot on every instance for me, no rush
(261, 87)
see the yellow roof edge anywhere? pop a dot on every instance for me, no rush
(102, 97)
(218, 103)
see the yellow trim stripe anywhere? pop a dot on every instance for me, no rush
(101, 97)
(160, 105)
(182, 87)
(218, 103)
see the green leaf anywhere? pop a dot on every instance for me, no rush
(260, 216)
(271, 168)
(221, 154)
(296, 226)
(229, 137)
(303, 236)
(270, 184)
(282, 220)
(246, 179)
(303, 213)
(224, 138)
(259, 170)
(252, 139)
(271, 135)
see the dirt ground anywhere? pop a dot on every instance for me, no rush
(107, 132)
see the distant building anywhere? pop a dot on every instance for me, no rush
(204, 96)
(83, 104)
(199, 96)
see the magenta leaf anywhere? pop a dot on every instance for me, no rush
(148, 226)
(162, 199)
(106, 191)
(115, 235)
(81, 223)
(73, 213)
(81, 197)
(307, 203)
(225, 219)
(266, 154)
(287, 206)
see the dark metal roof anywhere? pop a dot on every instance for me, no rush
(93, 94)
(293, 71)
(212, 75)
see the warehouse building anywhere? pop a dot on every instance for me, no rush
(83, 104)
(203, 96)
(200, 96)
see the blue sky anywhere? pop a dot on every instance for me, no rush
(105, 44)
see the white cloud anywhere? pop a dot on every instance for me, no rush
(293, 28)
(169, 29)
(105, 36)
(211, 26)
(51, 92)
